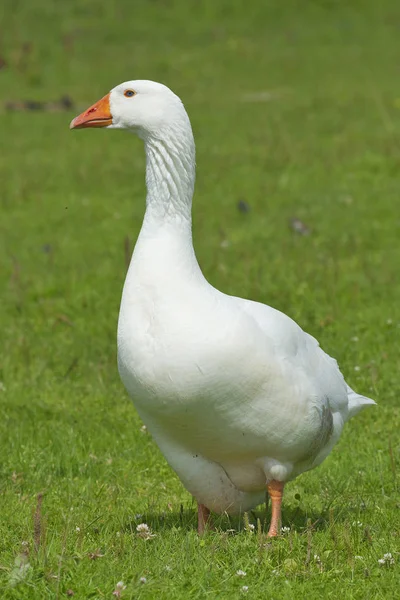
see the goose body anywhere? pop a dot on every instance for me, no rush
(237, 396)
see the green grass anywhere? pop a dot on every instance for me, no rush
(296, 110)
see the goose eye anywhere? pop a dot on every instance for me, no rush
(129, 93)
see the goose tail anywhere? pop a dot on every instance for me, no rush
(357, 402)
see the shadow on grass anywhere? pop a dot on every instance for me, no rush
(186, 518)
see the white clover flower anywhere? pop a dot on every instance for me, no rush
(285, 530)
(241, 573)
(387, 559)
(357, 368)
(144, 531)
(143, 580)
(388, 556)
(119, 588)
(317, 559)
(245, 588)
(77, 529)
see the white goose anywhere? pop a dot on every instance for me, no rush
(237, 396)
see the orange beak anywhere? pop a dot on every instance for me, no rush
(98, 115)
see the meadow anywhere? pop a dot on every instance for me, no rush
(295, 108)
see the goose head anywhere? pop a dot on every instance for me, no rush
(145, 107)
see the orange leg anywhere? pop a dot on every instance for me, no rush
(203, 518)
(275, 491)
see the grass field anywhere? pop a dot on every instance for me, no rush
(296, 111)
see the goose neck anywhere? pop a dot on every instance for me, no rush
(170, 176)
